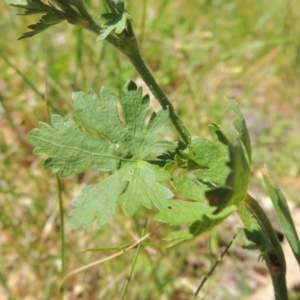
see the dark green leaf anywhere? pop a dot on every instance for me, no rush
(219, 138)
(284, 216)
(54, 12)
(210, 220)
(114, 22)
(240, 126)
(30, 6)
(51, 15)
(219, 196)
(254, 239)
(235, 188)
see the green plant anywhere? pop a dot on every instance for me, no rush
(126, 145)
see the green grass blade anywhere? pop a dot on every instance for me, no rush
(62, 236)
(133, 265)
(284, 216)
(213, 268)
(25, 78)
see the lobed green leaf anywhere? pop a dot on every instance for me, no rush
(190, 189)
(135, 138)
(213, 161)
(72, 150)
(105, 142)
(143, 188)
(30, 6)
(134, 185)
(54, 12)
(97, 201)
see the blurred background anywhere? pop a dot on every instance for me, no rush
(200, 51)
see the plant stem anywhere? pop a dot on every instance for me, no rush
(133, 264)
(139, 64)
(275, 257)
(62, 236)
(213, 268)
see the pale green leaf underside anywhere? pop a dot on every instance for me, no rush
(199, 214)
(132, 136)
(72, 150)
(106, 142)
(97, 201)
(143, 188)
(133, 186)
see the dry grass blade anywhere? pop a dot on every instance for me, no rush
(100, 261)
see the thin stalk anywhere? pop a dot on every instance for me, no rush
(79, 75)
(139, 64)
(133, 53)
(76, 271)
(143, 21)
(154, 263)
(212, 269)
(62, 236)
(48, 283)
(275, 258)
(23, 76)
(133, 265)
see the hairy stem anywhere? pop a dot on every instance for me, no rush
(275, 258)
